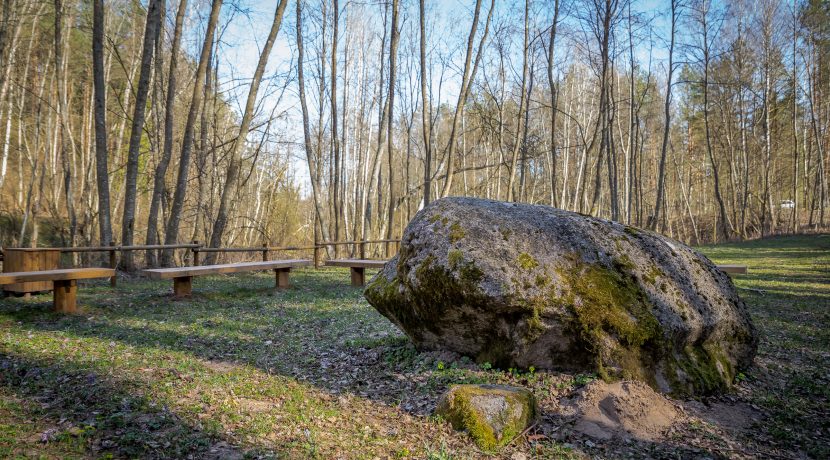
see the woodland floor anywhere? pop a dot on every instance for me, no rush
(314, 372)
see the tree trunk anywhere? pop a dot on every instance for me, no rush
(101, 167)
(554, 93)
(661, 171)
(466, 78)
(723, 219)
(151, 34)
(390, 125)
(167, 149)
(172, 231)
(426, 107)
(244, 128)
(522, 100)
(335, 140)
(311, 158)
(66, 145)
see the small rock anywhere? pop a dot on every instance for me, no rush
(492, 414)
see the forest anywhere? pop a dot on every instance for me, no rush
(138, 122)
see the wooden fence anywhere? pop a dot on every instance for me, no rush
(358, 248)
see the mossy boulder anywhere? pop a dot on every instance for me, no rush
(519, 285)
(492, 414)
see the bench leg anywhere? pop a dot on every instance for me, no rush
(358, 276)
(182, 287)
(64, 296)
(282, 278)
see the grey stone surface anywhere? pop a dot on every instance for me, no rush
(523, 285)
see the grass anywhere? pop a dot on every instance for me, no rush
(788, 292)
(243, 371)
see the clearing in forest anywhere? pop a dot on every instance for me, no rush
(315, 372)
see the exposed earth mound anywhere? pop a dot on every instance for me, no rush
(523, 285)
(623, 409)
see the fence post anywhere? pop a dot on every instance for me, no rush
(316, 246)
(196, 253)
(113, 262)
(363, 249)
(264, 252)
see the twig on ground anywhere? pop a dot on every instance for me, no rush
(521, 434)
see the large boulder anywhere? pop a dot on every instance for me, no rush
(519, 285)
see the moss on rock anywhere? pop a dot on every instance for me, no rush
(454, 258)
(456, 232)
(527, 262)
(492, 414)
(606, 302)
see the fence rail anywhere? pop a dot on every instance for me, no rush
(196, 248)
(125, 248)
(257, 249)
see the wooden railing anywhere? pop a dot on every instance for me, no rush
(196, 248)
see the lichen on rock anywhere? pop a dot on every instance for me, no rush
(492, 414)
(519, 285)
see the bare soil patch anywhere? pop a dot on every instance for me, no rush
(620, 410)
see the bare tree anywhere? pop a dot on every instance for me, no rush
(654, 218)
(311, 158)
(167, 149)
(522, 101)
(151, 34)
(703, 12)
(101, 166)
(390, 124)
(67, 147)
(426, 105)
(602, 22)
(467, 76)
(554, 92)
(172, 231)
(244, 129)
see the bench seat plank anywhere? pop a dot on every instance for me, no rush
(183, 276)
(200, 270)
(65, 283)
(64, 274)
(732, 268)
(358, 263)
(357, 267)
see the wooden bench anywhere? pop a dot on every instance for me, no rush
(733, 268)
(64, 280)
(358, 267)
(183, 276)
